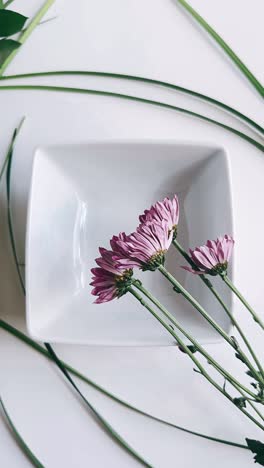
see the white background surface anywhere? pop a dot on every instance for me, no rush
(158, 40)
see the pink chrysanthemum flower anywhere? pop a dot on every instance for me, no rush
(213, 257)
(110, 279)
(145, 248)
(167, 210)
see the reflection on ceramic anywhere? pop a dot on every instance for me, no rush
(83, 194)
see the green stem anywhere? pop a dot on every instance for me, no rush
(243, 68)
(30, 455)
(29, 342)
(195, 304)
(220, 300)
(27, 32)
(9, 157)
(8, 2)
(199, 366)
(10, 148)
(207, 317)
(141, 79)
(103, 421)
(136, 99)
(243, 300)
(203, 352)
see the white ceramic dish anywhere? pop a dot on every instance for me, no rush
(83, 194)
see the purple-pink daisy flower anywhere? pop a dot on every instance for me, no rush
(145, 248)
(110, 279)
(166, 210)
(213, 257)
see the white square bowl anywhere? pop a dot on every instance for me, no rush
(83, 194)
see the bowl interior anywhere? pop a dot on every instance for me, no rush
(83, 194)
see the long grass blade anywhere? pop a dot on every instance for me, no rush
(10, 148)
(135, 99)
(102, 420)
(141, 79)
(242, 67)
(8, 162)
(30, 455)
(8, 2)
(34, 345)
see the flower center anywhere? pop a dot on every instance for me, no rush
(123, 282)
(219, 269)
(155, 261)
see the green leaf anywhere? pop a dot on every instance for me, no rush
(6, 48)
(240, 402)
(191, 348)
(257, 448)
(236, 345)
(254, 377)
(250, 374)
(11, 22)
(238, 356)
(28, 31)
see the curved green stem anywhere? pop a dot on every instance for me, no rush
(10, 148)
(7, 3)
(135, 99)
(199, 366)
(8, 193)
(29, 454)
(243, 68)
(141, 79)
(34, 345)
(138, 285)
(113, 433)
(27, 32)
(220, 300)
(243, 300)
